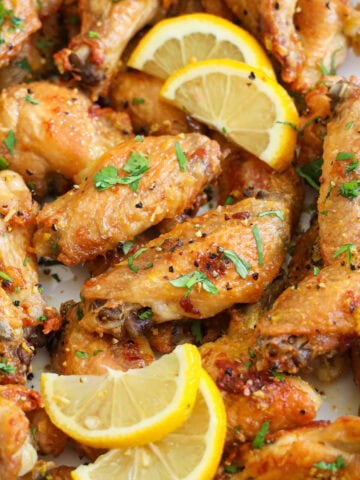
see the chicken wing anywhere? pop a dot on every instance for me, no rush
(318, 451)
(300, 34)
(296, 330)
(339, 200)
(93, 56)
(137, 94)
(19, 20)
(251, 397)
(85, 222)
(20, 278)
(192, 271)
(48, 129)
(75, 351)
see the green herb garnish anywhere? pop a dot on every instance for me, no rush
(346, 248)
(196, 330)
(82, 354)
(189, 280)
(136, 166)
(311, 172)
(92, 34)
(10, 141)
(134, 257)
(6, 277)
(339, 464)
(180, 156)
(31, 100)
(241, 266)
(3, 163)
(137, 101)
(278, 213)
(259, 440)
(343, 156)
(5, 367)
(259, 246)
(350, 189)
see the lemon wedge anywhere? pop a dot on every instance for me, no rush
(241, 102)
(192, 452)
(125, 408)
(175, 42)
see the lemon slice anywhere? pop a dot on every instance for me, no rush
(243, 103)
(125, 408)
(175, 42)
(193, 452)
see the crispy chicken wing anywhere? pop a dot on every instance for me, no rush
(86, 222)
(298, 33)
(98, 352)
(20, 277)
(19, 20)
(251, 397)
(48, 129)
(137, 94)
(339, 202)
(204, 249)
(318, 451)
(316, 317)
(106, 27)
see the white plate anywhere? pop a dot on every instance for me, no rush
(340, 398)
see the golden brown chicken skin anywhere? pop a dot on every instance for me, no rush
(137, 94)
(77, 351)
(48, 129)
(92, 57)
(243, 176)
(20, 277)
(299, 34)
(321, 450)
(71, 231)
(13, 434)
(339, 200)
(316, 317)
(20, 21)
(48, 439)
(251, 397)
(196, 255)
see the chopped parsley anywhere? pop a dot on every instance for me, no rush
(277, 375)
(42, 318)
(333, 467)
(10, 141)
(137, 101)
(5, 367)
(349, 125)
(259, 246)
(316, 271)
(92, 34)
(26, 260)
(180, 156)
(251, 353)
(351, 167)
(196, 330)
(241, 266)
(24, 65)
(134, 257)
(145, 314)
(79, 313)
(229, 200)
(96, 352)
(139, 138)
(189, 280)
(231, 468)
(343, 156)
(289, 124)
(278, 213)
(6, 277)
(259, 440)
(31, 100)
(311, 172)
(3, 163)
(127, 247)
(350, 189)
(82, 354)
(324, 70)
(346, 248)
(136, 166)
